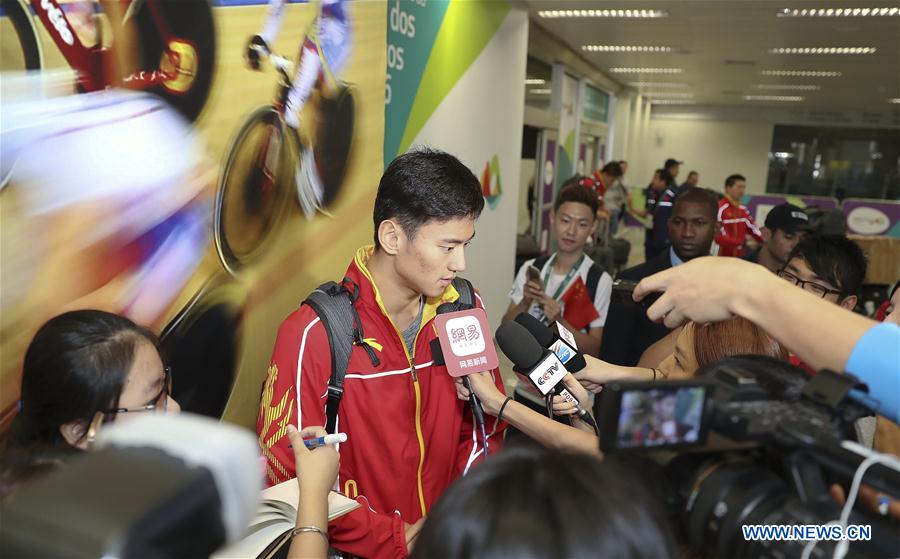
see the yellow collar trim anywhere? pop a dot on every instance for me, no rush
(449, 295)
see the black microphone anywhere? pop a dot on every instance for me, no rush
(542, 367)
(547, 338)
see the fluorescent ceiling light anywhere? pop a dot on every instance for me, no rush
(802, 73)
(773, 98)
(624, 48)
(671, 102)
(647, 70)
(673, 85)
(534, 81)
(541, 91)
(838, 12)
(677, 94)
(823, 50)
(895, 101)
(639, 14)
(786, 87)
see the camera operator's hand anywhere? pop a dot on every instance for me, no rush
(252, 56)
(317, 468)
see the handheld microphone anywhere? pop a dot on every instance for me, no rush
(566, 350)
(466, 348)
(542, 367)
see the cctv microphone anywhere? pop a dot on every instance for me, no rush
(542, 367)
(562, 345)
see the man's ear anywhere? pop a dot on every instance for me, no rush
(73, 432)
(766, 234)
(849, 302)
(390, 236)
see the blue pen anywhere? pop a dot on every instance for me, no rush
(322, 441)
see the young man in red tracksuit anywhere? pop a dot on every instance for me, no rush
(409, 437)
(737, 223)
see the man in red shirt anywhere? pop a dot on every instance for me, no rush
(409, 437)
(737, 223)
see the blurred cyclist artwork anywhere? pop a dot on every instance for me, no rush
(105, 203)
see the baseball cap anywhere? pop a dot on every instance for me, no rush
(787, 217)
(670, 162)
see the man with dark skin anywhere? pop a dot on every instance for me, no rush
(691, 228)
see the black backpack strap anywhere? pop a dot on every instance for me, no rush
(466, 292)
(594, 274)
(540, 262)
(334, 305)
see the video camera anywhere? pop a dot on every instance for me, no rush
(754, 441)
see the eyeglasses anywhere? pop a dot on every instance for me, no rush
(816, 289)
(158, 403)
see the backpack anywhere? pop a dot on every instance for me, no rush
(593, 276)
(334, 303)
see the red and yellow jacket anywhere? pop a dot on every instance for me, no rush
(737, 224)
(409, 436)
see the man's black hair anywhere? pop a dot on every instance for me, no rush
(692, 173)
(733, 179)
(426, 185)
(612, 169)
(834, 258)
(698, 196)
(578, 193)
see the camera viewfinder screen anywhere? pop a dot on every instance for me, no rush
(661, 417)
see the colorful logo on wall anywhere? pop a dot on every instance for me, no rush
(490, 182)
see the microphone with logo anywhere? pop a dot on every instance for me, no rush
(561, 343)
(465, 347)
(542, 367)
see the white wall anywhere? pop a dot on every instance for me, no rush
(715, 149)
(475, 123)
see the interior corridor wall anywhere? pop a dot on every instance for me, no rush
(715, 149)
(478, 117)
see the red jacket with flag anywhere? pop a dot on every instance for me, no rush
(737, 224)
(409, 436)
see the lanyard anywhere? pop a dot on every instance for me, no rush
(566, 280)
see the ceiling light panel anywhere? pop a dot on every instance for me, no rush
(894, 101)
(632, 14)
(671, 102)
(838, 12)
(660, 85)
(624, 48)
(647, 70)
(534, 81)
(773, 98)
(540, 91)
(668, 94)
(802, 73)
(823, 50)
(786, 87)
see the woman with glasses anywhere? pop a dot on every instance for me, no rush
(82, 368)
